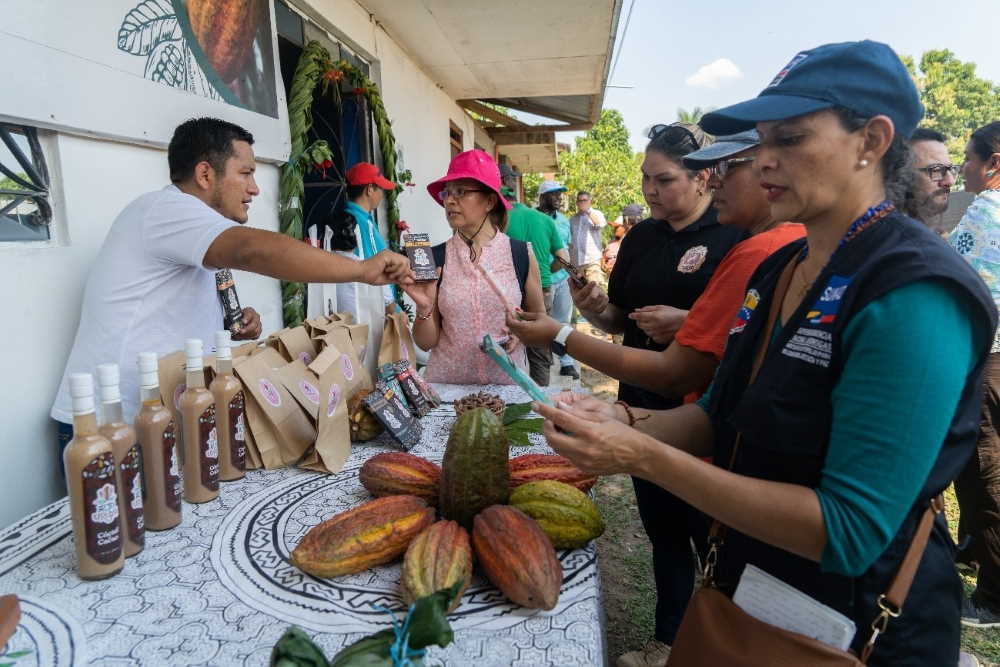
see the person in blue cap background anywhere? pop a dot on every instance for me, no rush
(550, 202)
(849, 393)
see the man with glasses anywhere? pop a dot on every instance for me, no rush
(585, 238)
(933, 179)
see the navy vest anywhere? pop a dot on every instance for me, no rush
(785, 420)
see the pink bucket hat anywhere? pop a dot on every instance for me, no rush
(474, 164)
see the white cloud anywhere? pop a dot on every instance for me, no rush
(714, 74)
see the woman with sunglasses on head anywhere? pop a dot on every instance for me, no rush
(484, 274)
(689, 362)
(848, 395)
(978, 487)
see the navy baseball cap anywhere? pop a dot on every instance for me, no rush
(866, 77)
(725, 146)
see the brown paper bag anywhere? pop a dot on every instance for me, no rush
(303, 385)
(263, 450)
(333, 442)
(296, 344)
(397, 341)
(294, 431)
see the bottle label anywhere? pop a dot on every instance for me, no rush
(100, 510)
(238, 431)
(209, 449)
(172, 488)
(131, 476)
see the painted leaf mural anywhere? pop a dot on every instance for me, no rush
(147, 25)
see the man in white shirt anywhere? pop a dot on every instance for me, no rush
(152, 285)
(585, 238)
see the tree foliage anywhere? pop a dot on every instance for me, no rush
(602, 163)
(956, 101)
(693, 116)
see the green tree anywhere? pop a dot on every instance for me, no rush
(531, 181)
(693, 116)
(602, 163)
(956, 101)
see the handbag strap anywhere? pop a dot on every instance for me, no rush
(891, 602)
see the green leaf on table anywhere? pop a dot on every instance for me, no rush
(370, 651)
(515, 411)
(296, 649)
(517, 433)
(429, 622)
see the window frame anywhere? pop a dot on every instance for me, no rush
(35, 185)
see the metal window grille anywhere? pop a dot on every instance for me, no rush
(25, 212)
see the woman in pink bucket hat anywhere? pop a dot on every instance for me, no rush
(483, 274)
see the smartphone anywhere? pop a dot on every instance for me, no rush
(574, 273)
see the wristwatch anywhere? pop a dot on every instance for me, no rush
(563, 334)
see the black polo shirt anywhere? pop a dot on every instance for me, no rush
(659, 266)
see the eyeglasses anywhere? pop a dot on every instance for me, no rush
(675, 135)
(937, 172)
(458, 193)
(723, 167)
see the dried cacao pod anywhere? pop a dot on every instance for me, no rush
(474, 471)
(436, 559)
(225, 31)
(517, 557)
(374, 533)
(536, 467)
(566, 514)
(401, 474)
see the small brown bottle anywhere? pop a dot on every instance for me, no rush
(201, 440)
(128, 456)
(157, 433)
(230, 412)
(92, 485)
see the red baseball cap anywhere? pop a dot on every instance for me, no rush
(365, 173)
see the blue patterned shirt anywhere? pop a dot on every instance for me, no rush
(977, 239)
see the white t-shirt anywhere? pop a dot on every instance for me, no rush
(148, 291)
(585, 238)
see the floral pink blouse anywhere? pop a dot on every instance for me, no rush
(469, 310)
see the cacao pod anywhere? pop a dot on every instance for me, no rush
(374, 533)
(566, 514)
(225, 31)
(517, 557)
(436, 559)
(401, 474)
(536, 467)
(364, 425)
(474, 471)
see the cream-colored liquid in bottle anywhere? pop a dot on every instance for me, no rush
(230, 411)
(157, 433)
(128, 457)
(201, 440)
(92, 485)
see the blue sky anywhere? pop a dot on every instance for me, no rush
(669, 41)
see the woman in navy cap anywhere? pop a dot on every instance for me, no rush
(849, 394)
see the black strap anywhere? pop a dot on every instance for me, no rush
(518, 253)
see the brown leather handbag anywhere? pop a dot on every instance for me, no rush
(716, 632)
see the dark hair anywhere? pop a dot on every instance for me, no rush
(897, 172)
(202, 140)
(354, 192)
(582, 193)
(676, 140)
(498, 216)
(343, 223)
(986, 140)
(926, 134)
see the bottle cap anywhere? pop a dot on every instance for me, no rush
(148, 370)
(223, 343)
(108, 378)
(81, 390)
(192, 350)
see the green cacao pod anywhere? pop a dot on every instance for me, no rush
(566, 514)
(517, 557)
(374, 533)
(436, 559)
(399, 474)
(474, 471)
(536, 467)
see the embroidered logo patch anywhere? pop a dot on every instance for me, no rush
(814, 344)
(746, 310)
(824, 311)
(692, 259)
(786, 69)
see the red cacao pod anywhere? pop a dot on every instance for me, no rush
(374, 533)
(225, 31)
(537, 467)
(401, 474)
(436, 559)
(517, 556)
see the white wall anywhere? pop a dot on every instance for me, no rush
(41, 285)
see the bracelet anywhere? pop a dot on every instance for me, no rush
(417, 317)
(628, 411)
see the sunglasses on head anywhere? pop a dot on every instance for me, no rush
(675, 135)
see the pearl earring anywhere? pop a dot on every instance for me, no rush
(863, 163)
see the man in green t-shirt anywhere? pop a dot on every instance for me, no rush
(538, 229)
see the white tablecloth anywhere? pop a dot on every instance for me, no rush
(218, 590)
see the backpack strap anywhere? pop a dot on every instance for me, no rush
(519, 253)
(439, 255)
